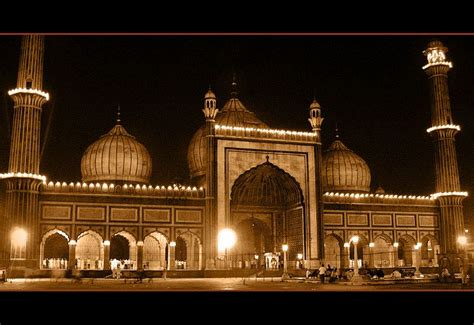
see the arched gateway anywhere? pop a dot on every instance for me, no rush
(267, 210)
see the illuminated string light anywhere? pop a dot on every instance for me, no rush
(449, 64)
(23, 175)
(381, 196)
(265, 131)
(437, 195)
(173, 190)
(444, 127)
(28, 91)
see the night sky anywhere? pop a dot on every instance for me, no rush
(373, 87)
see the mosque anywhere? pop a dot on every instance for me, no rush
(277, 190)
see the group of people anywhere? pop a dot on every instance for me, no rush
(324, 272)
(55, 263)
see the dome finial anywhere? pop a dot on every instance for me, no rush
(233, 93)
(337, 132)
(118, 114)
(268, 158)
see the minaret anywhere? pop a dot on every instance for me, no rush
(210, 111)
(316, 120)
(442, 131)
(23, 179)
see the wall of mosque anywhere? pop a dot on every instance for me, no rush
(108, 215)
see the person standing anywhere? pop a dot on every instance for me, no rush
(322, 273)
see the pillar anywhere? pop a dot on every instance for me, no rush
(72, 255)
(171, 256)
(106, 255)
(139, 255)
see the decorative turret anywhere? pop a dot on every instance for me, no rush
(210, 106)
(315, 118)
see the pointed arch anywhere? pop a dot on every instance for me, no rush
(123, 246)
(406, 243)
(189, 251)
(429, 250)
(382, 252)
(333, 250)
(155, 251)
(54, 249)
(90, 250)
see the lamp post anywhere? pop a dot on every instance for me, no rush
(348, 247)
(356, 278)
(284, 247)
(299, 257)
(18, 238)
(418, 259)
(226, 240)
(462, 240)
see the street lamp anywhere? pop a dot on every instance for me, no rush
(284, 247)
(226, 240)
(18, 238)
(299, 257)
(356, 278)
(348, 246)
(462, 240)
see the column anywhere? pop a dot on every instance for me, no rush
(139, 255)
(171, 256)
(200, 256)
(106, 255)
(72, 255)
(371, 255)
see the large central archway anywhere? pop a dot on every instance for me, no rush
(266, 211)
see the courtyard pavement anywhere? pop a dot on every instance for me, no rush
(261, 300)
(216, 285)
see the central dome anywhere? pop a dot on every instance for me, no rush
(117, 156)
(343, 170)
(234, 113)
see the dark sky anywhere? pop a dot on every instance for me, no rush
(372, 86)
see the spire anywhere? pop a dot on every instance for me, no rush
(118, 114)
(233, 93)
(337, 132)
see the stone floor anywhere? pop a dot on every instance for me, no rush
(217, 284)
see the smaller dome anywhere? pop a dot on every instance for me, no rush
(435, 43)
(380, 190)
(116, 157)
(314, 105)
(343, 170)
(209, 95)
